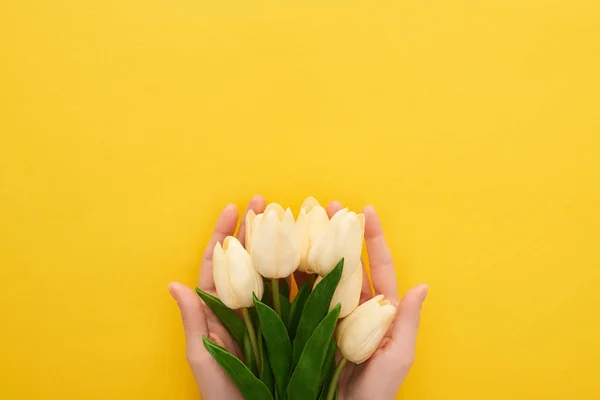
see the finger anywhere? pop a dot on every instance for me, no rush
(380, 257)
(333, 207)
(193, 318)
(225, 227)
(406, 326)
(257, 204)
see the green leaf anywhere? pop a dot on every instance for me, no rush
(304, 382)
(284, 288)
(316, 308)
(296, 309)
(279, 347)
(285, 305)
(249, 385)
(328, 369)
(228, 317)
(266, 375)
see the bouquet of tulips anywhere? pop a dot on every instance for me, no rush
(290, 342)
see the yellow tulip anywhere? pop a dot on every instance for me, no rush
(359, 334)
(348, 290)
(234, 275)
(341, 238)
(273, 240)
(312, 222)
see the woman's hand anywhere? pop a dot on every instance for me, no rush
(199, 320)
(381, 376)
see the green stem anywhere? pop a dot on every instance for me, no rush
(275, 290)
(334, 380)
(252, 335)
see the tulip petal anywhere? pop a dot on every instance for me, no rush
(340, 214)
(309, 204)
(243, 277)
(364, 338)
(349, 236)
(221, 277)
(288, 246)
(304, 243)
(249, 222)
(276, 208)
(265, 246)
(323, 257)
(348, 290)
(318, 222)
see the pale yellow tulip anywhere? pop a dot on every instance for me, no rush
(235, 276)
(273, 240)
(312, 222)
(341, 238)
(361, 332)
(348, 290)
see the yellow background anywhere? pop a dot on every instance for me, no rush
(472, 126)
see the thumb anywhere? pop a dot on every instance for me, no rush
(406, 326)
(193, 318)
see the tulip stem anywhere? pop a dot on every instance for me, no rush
(334, 380)
(275, 290)
(252, 335)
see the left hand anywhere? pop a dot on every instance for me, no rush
(199, 320)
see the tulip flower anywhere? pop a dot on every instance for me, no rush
(359, 334)
(341, 238)
(236, 280)
(234, 275)
(312, 222)
(273, 241)
(348, 290)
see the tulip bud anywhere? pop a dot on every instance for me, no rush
(312, 222)
(359, 334)
(234, 275)
(273, 241)
(342, 238)
(348, 289)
